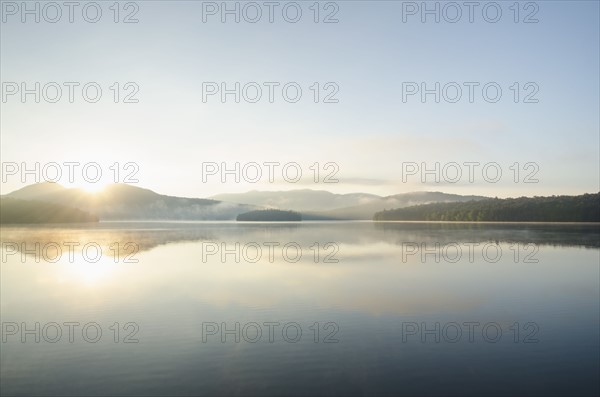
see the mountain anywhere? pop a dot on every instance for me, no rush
(583, 208)
(31, 192)
(319, 204)
(126, 202)
(17, 211)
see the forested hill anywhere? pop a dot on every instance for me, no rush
(584, 208)
(15, 211)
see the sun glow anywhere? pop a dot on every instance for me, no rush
(90, 187)
(90, 273)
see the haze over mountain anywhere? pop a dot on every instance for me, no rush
(304, 200)
(127, 202)
(319, 204)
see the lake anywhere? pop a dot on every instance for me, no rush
(310, 308)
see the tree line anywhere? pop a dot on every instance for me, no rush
(583, 208)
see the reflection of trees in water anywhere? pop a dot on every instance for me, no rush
(553, 234)
(148, 235)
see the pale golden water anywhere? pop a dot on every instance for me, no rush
(374, 290)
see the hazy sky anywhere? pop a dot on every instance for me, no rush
(371, 133)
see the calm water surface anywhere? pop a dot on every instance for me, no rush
(351, 308)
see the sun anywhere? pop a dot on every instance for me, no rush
(90, 187)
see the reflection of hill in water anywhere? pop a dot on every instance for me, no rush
(148, 235)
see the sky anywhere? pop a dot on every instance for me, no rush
(367, 130)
